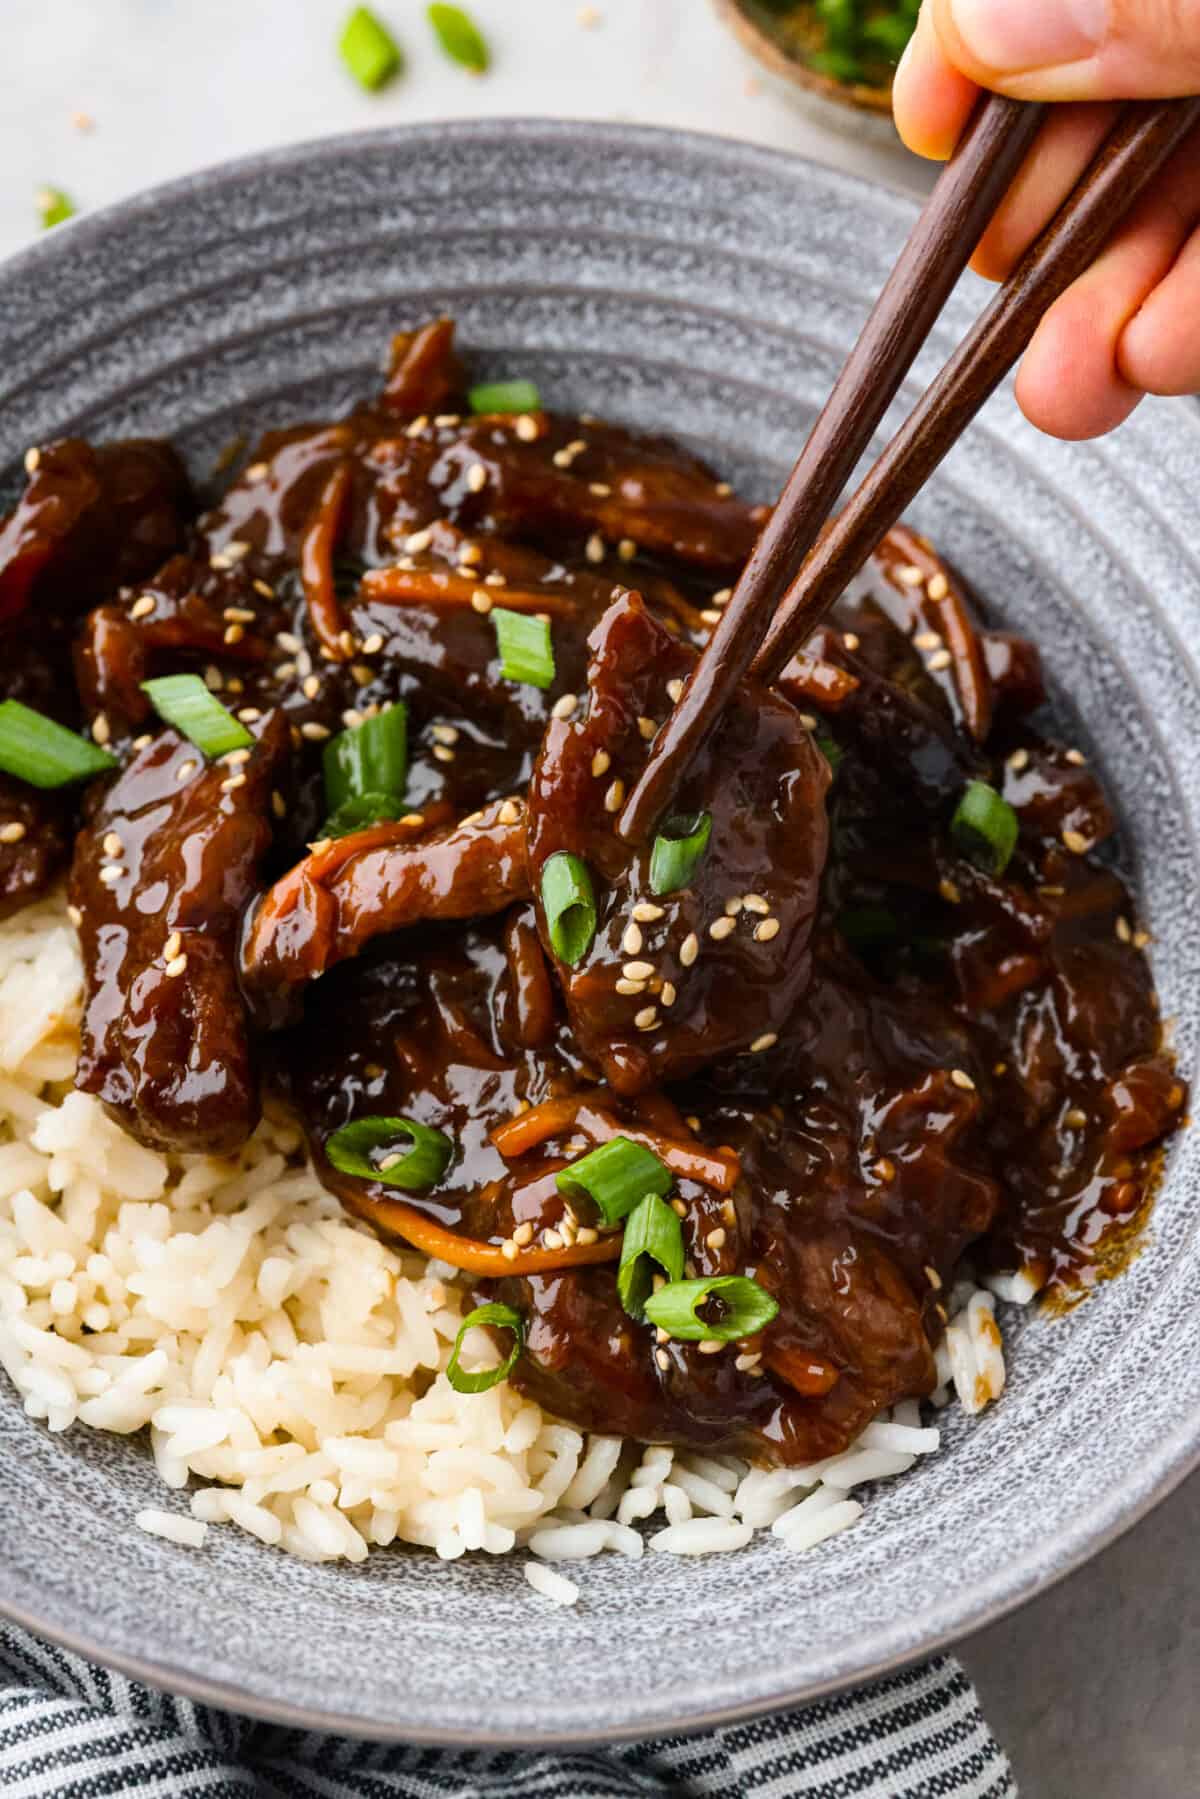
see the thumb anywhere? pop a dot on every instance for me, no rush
(1075, 49)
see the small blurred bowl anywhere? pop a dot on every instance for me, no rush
(852, 107)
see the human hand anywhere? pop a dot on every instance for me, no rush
(1130, 325)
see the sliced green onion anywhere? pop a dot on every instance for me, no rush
(526, 650)
(746, 1308)
(367, 1147)
(185, 702)
(37, 749)
(570, 906)
(54, 207)
(368, 49)
(985, 827)
(652, 1234)
(460, 37)
(368, 758)
(616, 1177)
(678, 851)
(504, 396)
(363, 810)
(506, 1319)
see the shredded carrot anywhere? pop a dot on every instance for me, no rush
(712, 1168)
(525, 1130)
(807, 1374)
(435, 587)
(467, 1253)
(316, 562)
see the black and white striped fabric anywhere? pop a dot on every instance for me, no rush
(70, 1730)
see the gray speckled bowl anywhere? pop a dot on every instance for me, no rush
(713, 289)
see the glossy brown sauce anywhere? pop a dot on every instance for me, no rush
(862, 1057)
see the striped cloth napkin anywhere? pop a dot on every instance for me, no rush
(71, 1730)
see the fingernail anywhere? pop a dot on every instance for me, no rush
(1011, 36)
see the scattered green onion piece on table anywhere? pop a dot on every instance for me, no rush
(363, 810)
(352, 1148)
(39, 750)
(653, 1233)
(985, 827)
(460, 37)
(368, 49)
(185, 702)
(748, 1308)
(616, 1177)
(507, 1319)
(504, 396)
(368, 758)
(526, 649)
(54, 207)
(570, 906)
(678, 851)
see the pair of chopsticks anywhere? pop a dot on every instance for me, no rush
(795, 574)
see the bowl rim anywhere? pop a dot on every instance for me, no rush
(1165, 1466)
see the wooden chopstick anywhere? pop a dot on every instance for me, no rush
(1143, 139)
(967, 193)
(1145, 136)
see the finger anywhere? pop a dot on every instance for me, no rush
(1074, 49)
(1159, 349)
(1064, 147)
(1072, 383)
(931, 100)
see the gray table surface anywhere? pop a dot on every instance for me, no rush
(1091, 1688)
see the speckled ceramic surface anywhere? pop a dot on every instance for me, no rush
(713, 289)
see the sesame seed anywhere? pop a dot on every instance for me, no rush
(233, 783)
(675, 690)
(176, 966)
(645, 913)
(552, 1239)
(447, 419)
(248, 715)
(172, 946)
(638, 971)
(850, 639)
(220, 562)
(933, 1277)
(716, 1239)
(564, 705)
(75, 916)
(728, 1211)
(631, 940)
(766, 930)
(711, 615)
(1018, 760)
(482, 602)
(615, 796)
(1076, 842)
(239, 614)
(754, 902)
(721, 927)
(734, 906)
(112, 845)
(667, 996)
(288, 642)
(1076, 758)
(689, 949)
(278, 805)
(767, 1041)
(144, 742)
(234, 633)
(663, 1359)
(476, 477)
(1123, 931)
(746, 1364)
(927, 640)
(32, 458)
(346, 643)
(508, 1250)
(722, 596)
(185, 771)
(13, 833)
(143, 607)
(523, 1234)
(526, 428)
(1141, 939)
(937, 587)
(600, 488)
(910, 576)
(310, 687)
(1076, 1118)
(938, 661)
(627, 549)
(236, 551)
(594, 550)
(710, 1346)
(646, 1019)
(442, 754)
(495, 579)
(418, 818)
(630, 988)
(444, 733)
(351, 718)
(264, 588)
(949, 892)
(314, 732)
(416, 541)
(563, 458)
(962, 1079)
(601, 763)
(679, 1207)
(101, 731)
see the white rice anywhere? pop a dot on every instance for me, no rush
(290, 1368)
